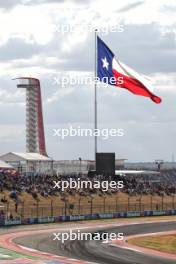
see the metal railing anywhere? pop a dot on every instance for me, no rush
(80, 207)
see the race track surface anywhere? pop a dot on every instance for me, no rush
(98, 252)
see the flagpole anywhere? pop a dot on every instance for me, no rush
(95, 87)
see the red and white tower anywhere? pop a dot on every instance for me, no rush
(35, 135)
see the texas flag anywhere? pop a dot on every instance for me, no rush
(116, 73)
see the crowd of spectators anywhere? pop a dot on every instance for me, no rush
(141, 185)
(16, 184)
(13, 184)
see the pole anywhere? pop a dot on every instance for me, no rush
(128, 203)
(151, 202)
(95, 83)
(65, 207)
(104, 205)
(51, 208)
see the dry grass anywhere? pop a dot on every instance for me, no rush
(166, 243)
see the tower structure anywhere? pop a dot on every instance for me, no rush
(35, 135)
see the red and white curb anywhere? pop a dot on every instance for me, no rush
(7, 240)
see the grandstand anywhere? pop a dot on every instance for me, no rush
(35, 196)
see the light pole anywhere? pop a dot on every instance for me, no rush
(80, 169)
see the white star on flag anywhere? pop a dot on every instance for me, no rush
(105, 63)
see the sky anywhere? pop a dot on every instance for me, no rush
(33, 43)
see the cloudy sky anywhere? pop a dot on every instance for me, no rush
(32, 43)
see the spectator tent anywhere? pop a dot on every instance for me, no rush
(5, 165)
(29, 163)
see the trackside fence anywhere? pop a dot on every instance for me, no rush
(65, 218)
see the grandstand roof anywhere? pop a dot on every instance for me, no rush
(121, 172)
(5, 165)
(15, 156)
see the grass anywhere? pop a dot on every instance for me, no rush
(165, 243)
(9, 254)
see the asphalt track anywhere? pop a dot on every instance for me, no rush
(99, 252)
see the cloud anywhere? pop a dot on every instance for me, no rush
(131, 6)
(145, 48)
(18, 48)
(8, 4)
(151, 52)
(169, 8)
(145, 123)
(30, 47)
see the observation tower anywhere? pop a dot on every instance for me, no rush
(35, 135)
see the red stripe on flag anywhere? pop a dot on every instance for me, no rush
(135, 86)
